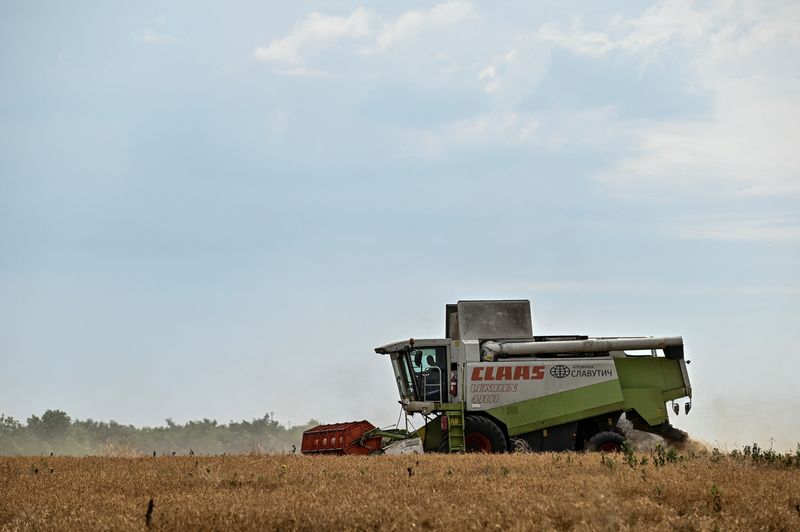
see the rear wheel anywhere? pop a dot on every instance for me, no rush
(605, 442)
(483, 436)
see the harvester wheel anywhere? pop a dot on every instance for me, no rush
(605, 442)
(482, 435)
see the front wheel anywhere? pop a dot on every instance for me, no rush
(605, 442)
(483, 436)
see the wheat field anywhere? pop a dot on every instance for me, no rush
(553, 491)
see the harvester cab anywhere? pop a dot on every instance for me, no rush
(491, 385)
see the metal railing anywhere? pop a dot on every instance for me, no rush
(432, 386)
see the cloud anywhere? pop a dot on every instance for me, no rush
(513, 76)
(155, 38)
(411, 23)
(744, 57)
(595, 128)
(740, 56)
(313, 34)
(752, 228)
(665, 23)
(319, 32)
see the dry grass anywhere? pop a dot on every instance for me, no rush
(521, 491)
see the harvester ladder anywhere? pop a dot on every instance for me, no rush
(455, 431)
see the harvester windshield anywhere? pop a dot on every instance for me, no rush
(402, 374)
(419, 373)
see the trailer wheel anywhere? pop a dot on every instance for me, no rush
(483, 436)
(605, 442)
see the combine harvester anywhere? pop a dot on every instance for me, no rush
(492, 386)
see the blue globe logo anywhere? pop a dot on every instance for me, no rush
(559, 371)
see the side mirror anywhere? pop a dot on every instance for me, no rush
(688, 406)
(417, 358)
(676, 408)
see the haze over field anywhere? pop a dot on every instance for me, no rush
(220, 212)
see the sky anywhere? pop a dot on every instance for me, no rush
(217, 210)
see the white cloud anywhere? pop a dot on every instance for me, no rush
(754, 228)
(592, 128)
(664, 23)
(319, 32)
(577, 41)
(744, 56)
(155, 38)
(314, 33)
(489, 74)
(514, 75)
(741, 55)
(411, 23)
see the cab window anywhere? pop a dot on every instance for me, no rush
(428, 365)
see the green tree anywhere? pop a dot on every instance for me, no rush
(53, 424)
(9, 425)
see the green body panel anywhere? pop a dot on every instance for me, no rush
(648, 383)
(431, 435)
(560, 408)
(644, 384)
(660, 373)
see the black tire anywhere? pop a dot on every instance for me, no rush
(482, 435)
(605, 442)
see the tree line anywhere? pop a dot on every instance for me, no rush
(56, 432)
